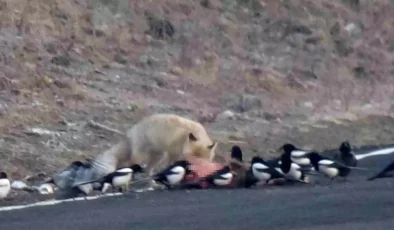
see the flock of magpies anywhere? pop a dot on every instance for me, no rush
(293, 164)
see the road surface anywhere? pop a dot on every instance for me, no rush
(355, 205)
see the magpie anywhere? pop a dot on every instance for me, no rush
(120, 178)
(297, 155)
(220, 178)
(264, 171)
(346, 155)
(291, 169)
(329, 167)
(5, 185)
(173, 174)
(384, 173)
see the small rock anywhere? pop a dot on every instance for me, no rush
(227, 114)
(40, 132)
(354, 31)
(45, 189)
(180, 92)
(176, 70)
(308, 104)
(18, 185)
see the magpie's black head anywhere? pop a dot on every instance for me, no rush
(137, 168)
(183, 163)
(345, 147)
(236, 153)
(77, 164)
(3, 175)
(225, 169)
(314, 158)
(287, 148)
(257, 159)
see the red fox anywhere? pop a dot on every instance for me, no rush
(153, 140)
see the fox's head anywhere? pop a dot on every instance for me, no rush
(200, 147)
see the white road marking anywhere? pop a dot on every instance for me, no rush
(375, 153)
(53, 202)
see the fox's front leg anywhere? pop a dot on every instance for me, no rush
(154, 161)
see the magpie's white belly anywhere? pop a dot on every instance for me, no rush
(261, 175)
(175, 178)
(329, 171)
(121, 180)
(295, 173)
(224, 181)
(301, 161)
(5, 188)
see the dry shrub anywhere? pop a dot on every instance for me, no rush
(205, 72)
(268, 80)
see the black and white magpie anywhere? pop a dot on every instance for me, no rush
(292, 170)
(263, 171)
(219, 178)
(173, 174)
(5, 185)
(329, 167)
(298, 156)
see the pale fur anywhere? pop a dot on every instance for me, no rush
(154, 140)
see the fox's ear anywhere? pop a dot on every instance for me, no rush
(212, 150)
(212, 146)
(192, 137)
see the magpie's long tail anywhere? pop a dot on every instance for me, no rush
(382, 173)
(362, 169)
(144, 179)
(86, 182)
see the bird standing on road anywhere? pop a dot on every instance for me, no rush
(328, 167)
(220, 178)
(346, 155)
(298, 156)
(291, 169)
(5, 185)
(173, 174)
(264, 171)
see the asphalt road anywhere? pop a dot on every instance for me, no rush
(355, 205)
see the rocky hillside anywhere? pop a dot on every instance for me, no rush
(255, 72)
